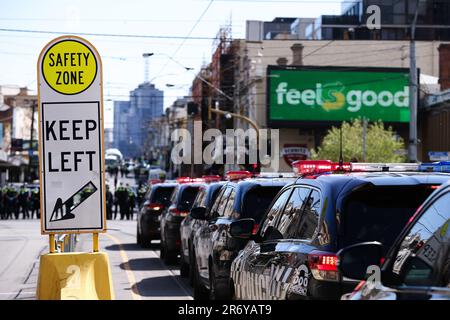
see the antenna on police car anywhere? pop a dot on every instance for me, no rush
(341, 158)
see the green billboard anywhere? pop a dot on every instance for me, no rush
(333, 94)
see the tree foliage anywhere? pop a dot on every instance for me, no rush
(382, 145)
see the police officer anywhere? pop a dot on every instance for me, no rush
(11, 202)
(131, 202)
(35, 203)
(109, 202)
(24, 201)
(140, 195)
(121, 197)
(2, 206)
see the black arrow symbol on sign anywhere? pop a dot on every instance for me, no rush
(71, 203)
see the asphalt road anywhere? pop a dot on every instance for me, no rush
(137, 273)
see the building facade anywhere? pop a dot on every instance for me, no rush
(396, 17)
(132, 119)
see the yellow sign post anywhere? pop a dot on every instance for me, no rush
(71, 167)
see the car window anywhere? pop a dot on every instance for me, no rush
(230, 204)
(173, 199)
(309, 220)
(423, 256)
(200, 200)
(215, 205)
(223, 202)
(187, 198)
(256, 201)
(379, 213)
(273, 214)
(162, 194)
(292, 214)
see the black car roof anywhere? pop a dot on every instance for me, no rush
(243, 186)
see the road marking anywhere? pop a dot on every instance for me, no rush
(128, 271)
(180, 284)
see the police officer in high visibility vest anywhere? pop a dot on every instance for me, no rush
(109, 202)
(140, 195)
(24, 201)
(35, 203)
(131, 202)
(121, 198)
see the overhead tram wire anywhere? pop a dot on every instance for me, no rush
(187, 37)
(108, 34)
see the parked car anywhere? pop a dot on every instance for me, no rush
(214, 249)
(418, 264)
(148, 224)
(293, 254)
(170, 220)
(205, 198)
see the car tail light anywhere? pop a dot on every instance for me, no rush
(154, 206)
(178, 213)
(255, 229)
(323, 265)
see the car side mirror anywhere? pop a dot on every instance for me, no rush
(242, 229)
(198, 213)
(354, 260)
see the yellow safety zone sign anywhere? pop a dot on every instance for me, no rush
(69, 67)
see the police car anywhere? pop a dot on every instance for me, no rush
(155, 200)
(418, 264)
(293, 254)
(203, 202)
(214, 249)
(170, 220)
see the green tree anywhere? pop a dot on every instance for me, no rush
(382, 145)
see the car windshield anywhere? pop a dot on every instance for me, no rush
(187, 198)
(256, 201)
(379, 213)
(162, 194)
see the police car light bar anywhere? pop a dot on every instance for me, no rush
(383, 167)
(237, 175)
(189, 180)
(276, 175)
(304, 167)
(442, 166)
(211, 178)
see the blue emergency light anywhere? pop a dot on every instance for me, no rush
(442, 166)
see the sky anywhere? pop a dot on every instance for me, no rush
(179, 33)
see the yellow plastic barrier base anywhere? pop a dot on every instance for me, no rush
(75, 276)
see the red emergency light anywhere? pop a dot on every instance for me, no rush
(306, 167)
(238, 175)
(211, 178)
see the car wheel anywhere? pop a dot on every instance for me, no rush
(138, 237)
(184, 268)
(216, 292)
(162, 250)
(191, 269)
(200, 292)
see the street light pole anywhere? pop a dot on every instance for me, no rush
(31, 150)
(413, 86)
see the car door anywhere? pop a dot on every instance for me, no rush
(249, 270)
(188, 222)
(297, 224)
(205, 233)
(423, 258)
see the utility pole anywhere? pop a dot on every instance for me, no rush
(364, 149)
(413, 86)
(31, 150)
